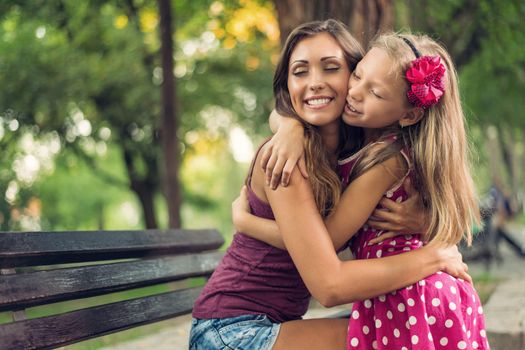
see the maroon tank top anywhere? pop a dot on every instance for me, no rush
(254, 278)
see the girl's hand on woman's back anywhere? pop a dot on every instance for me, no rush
(283, 152)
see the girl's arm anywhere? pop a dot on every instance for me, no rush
(335, 282)
(356, 204)
(284, 150)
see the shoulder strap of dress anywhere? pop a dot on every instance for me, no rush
(248, 180)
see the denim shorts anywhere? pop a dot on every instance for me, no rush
(247, 332)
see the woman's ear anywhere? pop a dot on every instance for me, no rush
(412, 116)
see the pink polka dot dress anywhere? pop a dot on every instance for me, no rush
(439, 312)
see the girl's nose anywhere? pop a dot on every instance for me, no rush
(354, 94)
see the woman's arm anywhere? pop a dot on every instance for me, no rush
(244, 221)
(332, 281)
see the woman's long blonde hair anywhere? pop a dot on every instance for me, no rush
(325, 182)
(438, 145)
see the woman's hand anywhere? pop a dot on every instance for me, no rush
(283, 152)
(452, 260)
(400, 218)
(240, 209)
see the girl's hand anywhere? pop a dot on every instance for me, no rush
(240, 209)
(400, 218)
(452, 260)
(283, 152)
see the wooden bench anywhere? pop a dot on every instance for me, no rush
(39, 268)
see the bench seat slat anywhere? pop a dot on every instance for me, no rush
(44, 287)
(44, 248)
(59, 330)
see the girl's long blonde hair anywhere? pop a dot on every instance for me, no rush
(438, 145)
(325, 182)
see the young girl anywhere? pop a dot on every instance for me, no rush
(404, 94)
(256, 287)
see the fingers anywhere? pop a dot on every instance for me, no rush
(302, 167)
(287, 171)
(391, 205)
(276, 173)
(266, 153)
(382, 237)
(269, 168)
(409, 188)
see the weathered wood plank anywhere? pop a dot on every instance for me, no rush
(44, 248)
(43, 287)
(54, 331)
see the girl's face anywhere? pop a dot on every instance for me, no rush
(376, 94)
(318, 79)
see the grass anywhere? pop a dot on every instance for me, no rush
(485, 285)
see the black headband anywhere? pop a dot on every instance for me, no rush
(409, 43)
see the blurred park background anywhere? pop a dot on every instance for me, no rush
(132, 114)
(88, 141)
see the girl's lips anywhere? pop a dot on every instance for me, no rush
(349, 108)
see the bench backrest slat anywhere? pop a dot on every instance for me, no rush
(43, 248)
(53, 331)
(43, 287)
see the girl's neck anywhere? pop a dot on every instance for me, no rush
(372, 135)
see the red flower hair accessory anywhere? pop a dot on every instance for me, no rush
(426, 77)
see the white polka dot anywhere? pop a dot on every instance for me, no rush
(407, 243)
(473, 298)
(463, 328)
(394, 293)
(404, 348)
(354, 342)
(397, 333)
(415, 339)
(468, 334)
(439, 272)
(366, 330)
(355, 314)
(430, 336)
(379, 253)
(462, 345)
(389, 194)
(385, 340)
(469, 310)
(412, 320)
(475, 344)
(439, 284)
(389, 315)
(483, 333)
(378, 323)
(423, 297)
(411, 302)
(474, 322)
(393, 242)
(407, 325)
(436, 302)
(399, 199)
(408, 236)
(401, 307)
(368, 304)
(390, 250)
(382, 298)
(374, 344)
(406, 249)
(409, 287)
(449, 323)
(422, 283)
(480, 310)
(443, 341)
(431, 320)
(452, 306)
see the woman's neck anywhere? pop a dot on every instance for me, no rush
(330, 135)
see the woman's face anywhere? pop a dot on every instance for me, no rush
(318, 79)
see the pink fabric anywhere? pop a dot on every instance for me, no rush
(439, 312)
